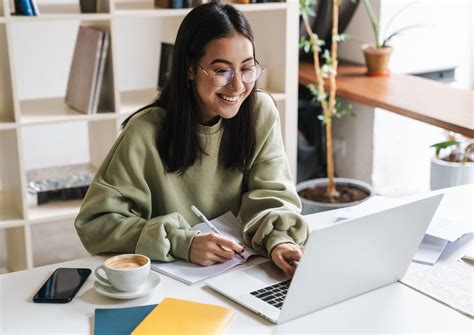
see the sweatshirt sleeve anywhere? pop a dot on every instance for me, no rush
(116, 214)
(270, 208)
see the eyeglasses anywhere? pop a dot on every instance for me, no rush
(223, 76)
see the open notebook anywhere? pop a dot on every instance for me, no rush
(189, 273)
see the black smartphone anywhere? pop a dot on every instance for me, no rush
(62, 285)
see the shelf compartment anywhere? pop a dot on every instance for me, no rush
(54, 43)
(90, 143)
(53, 110)
(66, 11)
(11, 200)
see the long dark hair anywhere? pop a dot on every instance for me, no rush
(178, 142)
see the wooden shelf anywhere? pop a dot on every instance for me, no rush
(7, 125)
(67, 209)
(417, 98)
(61, 16)
(131, 101)
(53, 110)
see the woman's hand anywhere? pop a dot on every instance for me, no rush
(208, 249)
(285, 255)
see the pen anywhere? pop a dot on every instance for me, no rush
(468, 259)
(209, 224)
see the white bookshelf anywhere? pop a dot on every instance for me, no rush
(136, 31)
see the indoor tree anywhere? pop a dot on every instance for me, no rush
(326, 69)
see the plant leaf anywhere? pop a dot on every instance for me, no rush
(397, 13)
(443, 145)
(397, 32)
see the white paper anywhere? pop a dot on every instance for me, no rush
(190, 273)
(430, 250)
(450, 284)
(449, 229)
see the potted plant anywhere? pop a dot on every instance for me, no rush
(327, 193)
(377, 55)
(453, 163)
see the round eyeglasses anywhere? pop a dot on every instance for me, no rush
(223, 76)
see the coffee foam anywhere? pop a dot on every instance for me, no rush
(126, 263)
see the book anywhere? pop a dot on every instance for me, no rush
(100, 73)
(35, 7)
(88, 6)
(119, 321)
(162, 3)
(84, 69)
(190, 273)
(166, 62)
(24, 7)
(58, 183)
(176, 316)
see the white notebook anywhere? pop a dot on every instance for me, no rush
(190, 273)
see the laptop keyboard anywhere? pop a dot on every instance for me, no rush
(274, 294)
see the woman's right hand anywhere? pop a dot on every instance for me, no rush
(210, 248)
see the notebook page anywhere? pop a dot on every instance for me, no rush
(190, 273)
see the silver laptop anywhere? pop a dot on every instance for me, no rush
(341, 261)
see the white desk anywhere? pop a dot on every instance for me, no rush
(394, 308)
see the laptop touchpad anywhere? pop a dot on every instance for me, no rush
(267, 272)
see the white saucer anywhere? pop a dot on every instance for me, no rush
(151, 283)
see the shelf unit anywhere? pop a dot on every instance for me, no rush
(136, 31)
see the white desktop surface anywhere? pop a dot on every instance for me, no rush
(394, 308)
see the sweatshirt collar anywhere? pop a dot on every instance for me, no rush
(216, 127)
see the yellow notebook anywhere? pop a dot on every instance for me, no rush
(175, 316)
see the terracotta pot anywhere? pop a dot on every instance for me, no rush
(376, 59)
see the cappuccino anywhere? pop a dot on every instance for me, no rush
(127, 263)
(124, 272)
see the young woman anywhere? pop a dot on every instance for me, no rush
(210, 140)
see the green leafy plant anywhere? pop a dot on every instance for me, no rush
(455, 149)
(382, 39)
(326, 97)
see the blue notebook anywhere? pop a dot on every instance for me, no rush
(117, 321)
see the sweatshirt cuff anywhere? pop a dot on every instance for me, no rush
(182, 243)
(166, 238)
(276, 238)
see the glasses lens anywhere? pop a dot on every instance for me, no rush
(251, 74)
(223, 76)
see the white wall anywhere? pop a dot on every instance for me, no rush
(400, 146)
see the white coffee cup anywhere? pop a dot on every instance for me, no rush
(124, 272)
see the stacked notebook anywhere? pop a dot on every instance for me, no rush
(87, 70)
(171, 316)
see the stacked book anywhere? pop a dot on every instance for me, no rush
(26, 8)
(87, 70)
(178, 3)
(58, 183)
(171, 316)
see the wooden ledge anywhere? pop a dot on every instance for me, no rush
(421, 99)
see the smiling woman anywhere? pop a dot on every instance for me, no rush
(210, 140)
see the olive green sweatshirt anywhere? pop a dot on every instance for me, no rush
(134, 206)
